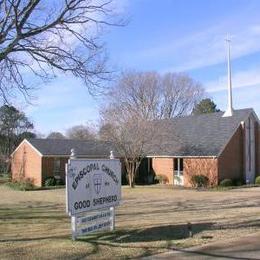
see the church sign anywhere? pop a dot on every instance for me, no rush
(92, 184)
(93, 187)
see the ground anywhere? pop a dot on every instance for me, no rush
(34, 225)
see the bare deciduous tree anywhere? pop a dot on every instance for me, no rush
(154, 96)
(137, 104)
(45, 37)
(81, 132)
(131, 135)
(180, 93)
(56, 135)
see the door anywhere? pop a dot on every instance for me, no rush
(178, 171)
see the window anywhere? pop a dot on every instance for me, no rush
(56, 166)
(175, 164)
(181, 164)
(178, 166)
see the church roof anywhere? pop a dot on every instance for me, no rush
(198, 135)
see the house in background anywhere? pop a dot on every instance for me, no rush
(39, 159)
(219, 147)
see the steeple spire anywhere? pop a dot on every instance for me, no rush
(229, 111)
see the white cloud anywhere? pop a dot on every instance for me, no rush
(207, 46)
(61, 104)
(240, 79)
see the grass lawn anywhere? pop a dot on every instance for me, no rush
(33, 224)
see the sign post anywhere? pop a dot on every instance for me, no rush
(93, 189)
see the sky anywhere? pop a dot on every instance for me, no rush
(166, 36)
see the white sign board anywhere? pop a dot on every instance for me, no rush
(93, 222)
(95, 217)
(92, 184)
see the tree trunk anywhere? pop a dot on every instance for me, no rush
(130, 172)
(132, 176)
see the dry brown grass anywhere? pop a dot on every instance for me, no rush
(33, 225)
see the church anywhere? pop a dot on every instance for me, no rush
(217, 145)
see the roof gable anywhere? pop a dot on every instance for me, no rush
(25, 141)
(199, 135)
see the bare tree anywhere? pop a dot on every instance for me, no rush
(46, 37)
(180, 93)
(138, 92)
(55, 135)
(132, 136)
(104, 131)
(138, 103)
(81, 132)
(153, 96)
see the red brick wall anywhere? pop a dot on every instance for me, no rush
(163, 166)
(230, 162)
(192, 166)
(26, 163)
(200, 166)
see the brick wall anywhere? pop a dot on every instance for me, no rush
(26, 163)
(200, 166)
(163, 166)
(230, 163)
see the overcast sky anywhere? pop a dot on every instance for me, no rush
(167, 36)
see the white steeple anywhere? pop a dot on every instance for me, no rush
(229, 111)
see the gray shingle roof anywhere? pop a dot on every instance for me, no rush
(196, 135)
(63, 147)
(199, 135)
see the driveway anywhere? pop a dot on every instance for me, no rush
(243, 248)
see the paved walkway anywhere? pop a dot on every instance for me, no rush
(243, 248)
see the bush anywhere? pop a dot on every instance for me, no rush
(238, 182)
(257, 180)
(226, 183)
(59, 182)
(199, 181)
(162, 179)
(24, 184)
(50, 181)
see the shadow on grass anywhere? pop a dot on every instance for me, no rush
(152, 234)
(135, 239)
